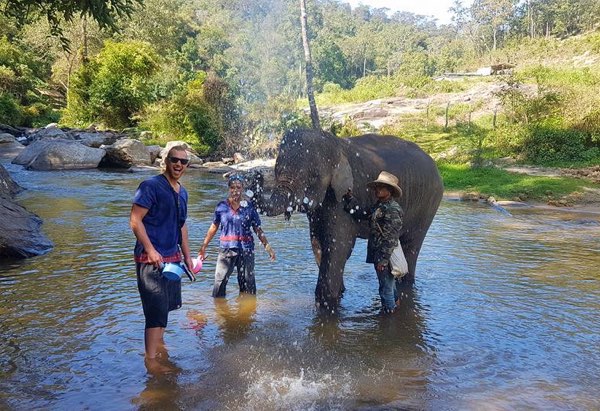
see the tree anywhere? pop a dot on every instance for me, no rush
(314, 114)
(492, 15)
(105, 12)
(113, 86)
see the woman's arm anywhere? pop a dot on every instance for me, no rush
(212, 230)
(263, 239)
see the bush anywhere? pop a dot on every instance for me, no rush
(21, 74)
(195, 115)
(113, 86)
(10, 111)
(548, 144)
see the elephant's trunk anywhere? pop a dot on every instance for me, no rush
(279, 202)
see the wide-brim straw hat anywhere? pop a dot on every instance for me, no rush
(389, 180)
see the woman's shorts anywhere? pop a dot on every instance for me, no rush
(159, 295)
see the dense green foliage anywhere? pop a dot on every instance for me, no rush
(21, 73)
(149, 70)
(104, 12)
(114, 86)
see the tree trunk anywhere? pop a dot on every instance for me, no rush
(314, 114)
(84, 51)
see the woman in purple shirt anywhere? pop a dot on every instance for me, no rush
(235, 217)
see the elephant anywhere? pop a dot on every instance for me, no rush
(313, 171)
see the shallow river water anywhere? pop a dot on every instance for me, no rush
(505, 314)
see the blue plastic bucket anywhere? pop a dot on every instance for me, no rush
(173, 271)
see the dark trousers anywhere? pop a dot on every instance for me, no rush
(227, 260)
(159, 295)
(387, 288)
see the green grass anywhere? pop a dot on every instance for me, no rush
(504, 185)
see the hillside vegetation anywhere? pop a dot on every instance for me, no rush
(229, 76)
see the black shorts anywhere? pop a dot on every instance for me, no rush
(159, 295)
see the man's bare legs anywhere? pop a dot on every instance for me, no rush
(154, 341)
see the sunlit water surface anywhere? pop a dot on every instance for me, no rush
(505, 314)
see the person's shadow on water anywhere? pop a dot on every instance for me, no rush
(235, 324)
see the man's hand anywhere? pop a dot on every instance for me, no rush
(348, 196)
(155, 258)
(382, 265)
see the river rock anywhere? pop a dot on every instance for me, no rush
(6, 138)
(154, 152)
(20, 234)
(125, 153)
(51, 131)
(8, 186)
(59, 155)
(5, 128)
(217, 167)
(30, 153)
(94, 139)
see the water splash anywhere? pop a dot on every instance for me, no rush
(267, 390)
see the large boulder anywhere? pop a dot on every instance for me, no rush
(126, 153)
(9, 146)
(30, 152)
(51, 131)
(20, 235)
(95, 139)
(6, 138)
(8, 186)
(59, 155)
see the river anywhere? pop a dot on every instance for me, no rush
(505, 314)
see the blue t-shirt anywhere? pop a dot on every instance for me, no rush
(157, 195)
(236, 225)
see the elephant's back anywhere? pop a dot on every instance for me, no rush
(397, 154)
(417, 172)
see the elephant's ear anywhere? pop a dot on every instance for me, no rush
(342, 179)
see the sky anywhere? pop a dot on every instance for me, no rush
(435, 8)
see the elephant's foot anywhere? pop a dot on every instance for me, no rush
(325, 302)
(327, 307)
(407, 281)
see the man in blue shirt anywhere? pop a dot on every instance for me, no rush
(158, 219)
(235, 217)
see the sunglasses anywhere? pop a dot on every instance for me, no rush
(175, 160)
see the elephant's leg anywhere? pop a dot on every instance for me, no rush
(411, 245)
(316, 247)
(337, 236)
(316, 228)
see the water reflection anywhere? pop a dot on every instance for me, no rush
(162, 389)
(504, 312)
(235, 322)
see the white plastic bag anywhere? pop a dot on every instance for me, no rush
(398, 262)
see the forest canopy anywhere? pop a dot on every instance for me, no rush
(224, 74)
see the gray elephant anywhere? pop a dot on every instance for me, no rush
(314, 169)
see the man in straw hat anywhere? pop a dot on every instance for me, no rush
(385, 223)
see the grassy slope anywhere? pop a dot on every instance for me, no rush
(570, 59)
